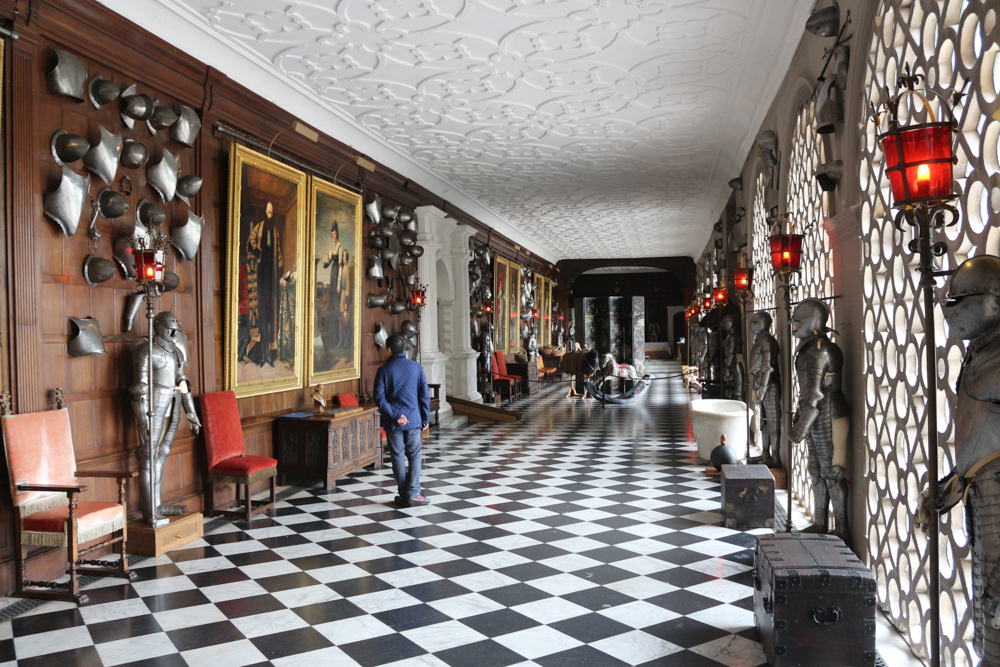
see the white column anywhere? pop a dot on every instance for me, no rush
(431, 225)
(462, 356)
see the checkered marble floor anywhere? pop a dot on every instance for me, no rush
(578, 536)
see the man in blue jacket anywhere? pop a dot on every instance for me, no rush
(403, 399)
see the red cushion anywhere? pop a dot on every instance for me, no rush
(223, 431)
(89, 513)
(243, 465)
(347, 400)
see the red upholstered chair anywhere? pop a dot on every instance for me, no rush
(501, 380)
(227, 461)
(44, 487)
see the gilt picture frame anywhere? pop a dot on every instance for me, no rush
(265, 281)
(334, 283)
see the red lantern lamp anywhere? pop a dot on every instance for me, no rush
(919, 161)
(487, 307)
(742, 279)
(695, 309)
(786, 252)
(707, 303)
(561, 317)
(419, 297)
(534, 313)
(719, 295)
(149, 265)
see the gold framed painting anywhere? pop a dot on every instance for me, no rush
(333, 333)
(265, 286)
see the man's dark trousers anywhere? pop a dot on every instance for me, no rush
(404, 446)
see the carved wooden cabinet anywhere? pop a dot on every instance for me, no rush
(528, 372)
(331, 445)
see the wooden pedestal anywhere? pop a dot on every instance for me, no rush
(144, 540)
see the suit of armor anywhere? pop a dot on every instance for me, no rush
(821, 404)
(973, 314)
(733, 372)
(764, 355)
(168, 393)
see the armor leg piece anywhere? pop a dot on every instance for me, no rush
(983, 507)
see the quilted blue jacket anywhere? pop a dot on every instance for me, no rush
(401, 389)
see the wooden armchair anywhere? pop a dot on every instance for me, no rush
(227, 459)
(44, 487)
(545, 372)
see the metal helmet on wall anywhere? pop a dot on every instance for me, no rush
(66, 148)
(100, 91)
(973, 304)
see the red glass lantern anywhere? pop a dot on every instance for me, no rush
(719, 295)
(487, 307)
(534, 313)
(695, 309)
(419, 297)
(707, 303)
(786, 252)
(561, 317)
(919, 161)
(742, 279)
(149, 265)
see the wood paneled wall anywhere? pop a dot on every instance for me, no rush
(42, 269)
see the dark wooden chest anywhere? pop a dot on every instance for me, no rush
(331, 445)
(814, 602)
(747, 496)
(527, 371)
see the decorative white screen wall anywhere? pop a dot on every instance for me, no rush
(950, 41)
(807, 207)
(760, 253)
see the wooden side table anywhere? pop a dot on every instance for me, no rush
(330, 444)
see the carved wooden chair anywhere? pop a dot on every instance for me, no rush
(45, 486)
(228, 461)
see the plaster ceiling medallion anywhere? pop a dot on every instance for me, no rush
(597, 129)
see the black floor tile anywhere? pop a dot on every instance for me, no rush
(515, 594)
(590, 628)
(530, 571)
(78, 657)
(455, 568)
(217, 577)
(283, 541)
(472, 549)
(500, 622)
(177, 600)
(479, 654)
(155, 572)
(435, 590)
(683, 602)
(388, 564)
(681, 577)
(326, 612)
(254, 558)
(609, 554)
(134, 626)
(307, 563)
(172, 660)
(598, 598)
(579, 657)
(682, 659)
(290, 642)
(283, 582)
(359, 586)
(257, 604)
(414, 616)
(383, 650)
(679, 556)
(199, 636)
(539, 552)
(685, 632)
(7, 650)
(56, 620)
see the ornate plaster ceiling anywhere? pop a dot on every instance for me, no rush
(597, 128)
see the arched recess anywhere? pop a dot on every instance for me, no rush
(446, 304)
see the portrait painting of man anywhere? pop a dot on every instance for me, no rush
(333, 338)
(265, 289)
